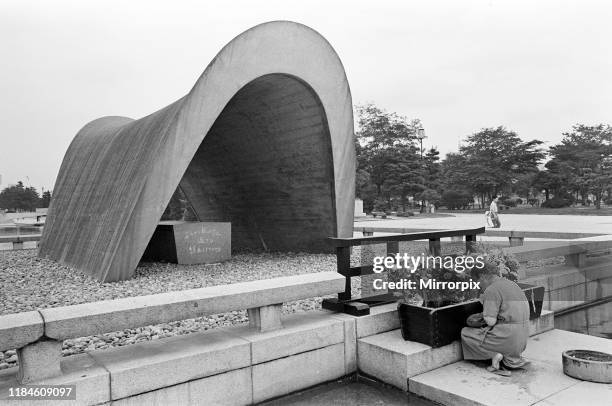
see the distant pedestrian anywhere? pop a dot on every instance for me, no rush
(494, 212)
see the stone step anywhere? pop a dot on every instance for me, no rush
(389, 358)
(541, 383)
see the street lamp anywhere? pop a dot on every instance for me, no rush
(421, 136)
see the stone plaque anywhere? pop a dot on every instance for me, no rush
(186, 242)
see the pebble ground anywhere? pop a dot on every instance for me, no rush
(29, 283)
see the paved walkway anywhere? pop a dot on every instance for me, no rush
(543, 383)
(516, 222)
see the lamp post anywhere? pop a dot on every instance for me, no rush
(421, 136)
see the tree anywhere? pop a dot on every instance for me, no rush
(365, 189)
(430, 195)
(433, 169)
(582, 162)
(406, 179)
(456, 187)
(456, 199)
(598, 180)
(18, 197)
(544, 180)
(496, 157)
(453, 170)
(557, 179)
(523, 185)
(46, 199)
(387, 156)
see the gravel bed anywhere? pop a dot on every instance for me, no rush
(29, 283)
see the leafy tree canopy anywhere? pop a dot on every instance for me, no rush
(582, 162)
(389, 164)
(496, 157)
(19, 197)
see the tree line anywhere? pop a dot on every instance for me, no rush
(23, 198)
(395, 173)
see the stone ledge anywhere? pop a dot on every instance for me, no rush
(600, 288)
(312, 349)
(563, 298)
(350, 341)
(20, 329)
(20, 238)
(598, 267)
(567, 286)
(545, 249)
(560, 276)
(554, 235)
(286, 375)
(92, 382)
(381, 319)
(555, 276)
(152, 365)
(228, 389)
(115, 315)
(302, 332)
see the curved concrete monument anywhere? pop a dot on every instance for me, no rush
(264, 140)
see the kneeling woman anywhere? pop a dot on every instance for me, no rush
(505, 328)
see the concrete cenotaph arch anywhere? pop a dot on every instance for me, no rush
(263, 140)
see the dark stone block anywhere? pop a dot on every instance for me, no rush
(188, 243)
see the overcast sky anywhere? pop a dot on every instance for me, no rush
(536, 67)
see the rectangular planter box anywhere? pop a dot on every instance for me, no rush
(442, 325)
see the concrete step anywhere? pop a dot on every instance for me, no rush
(541, 383)
(392, 360)
(389, 358)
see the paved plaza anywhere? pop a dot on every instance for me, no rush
(541, 383)
(515, 222)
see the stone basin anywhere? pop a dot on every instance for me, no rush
(588, 365)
